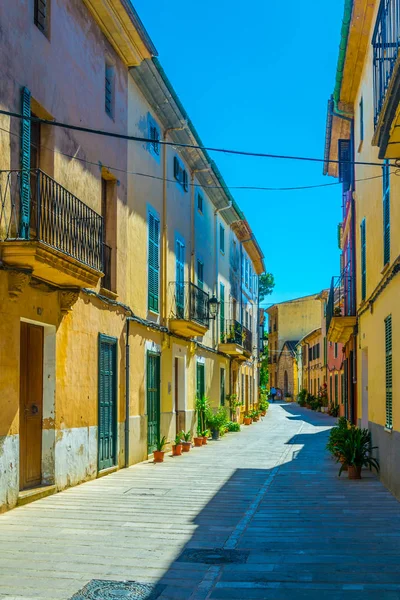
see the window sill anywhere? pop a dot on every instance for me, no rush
(153, 312)
(108, 293)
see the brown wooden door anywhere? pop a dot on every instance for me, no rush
(31, 405)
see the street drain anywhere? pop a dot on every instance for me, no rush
(214, 556)
(101, 589)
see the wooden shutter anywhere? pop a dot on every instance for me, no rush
(180, 279)
(153, 263)
(363, 261)
(386, 213)
(345, 166)
(107, 402)
(389, 373)
(222, 310)
(25, 164)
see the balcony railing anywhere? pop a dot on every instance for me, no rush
(190, 303)
(236, 333)
(386, 43)
(341, 301)
(57, 217)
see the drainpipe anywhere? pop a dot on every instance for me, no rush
(216, 212)
(127, 394)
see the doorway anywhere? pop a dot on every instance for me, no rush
(364, 383)
(31, 405)
(153, 401)
(107, 428)
(180, 393)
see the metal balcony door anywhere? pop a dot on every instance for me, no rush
(107, 421)
(180, 279)
(153, 401)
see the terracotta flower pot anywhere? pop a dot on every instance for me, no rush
(176, 449)
(204, 439)
(354, 472)
(247, 421)
(158, 456)
(255, 419)
(263, 413)
(186, 446)
(198, 441)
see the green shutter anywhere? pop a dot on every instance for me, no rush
(222, 387)
(153, 400)
(200, 380)
(153, 263)
(180, 279)
(363, 261)
(386, 213)
(389, 374)
(222, 310)
(25, 164)
(107, 434)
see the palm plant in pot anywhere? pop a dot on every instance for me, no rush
(216, 421)
(159, 452)
(356, 450)
(177, 446)
(186, 440)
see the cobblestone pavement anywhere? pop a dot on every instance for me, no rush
(257, 515)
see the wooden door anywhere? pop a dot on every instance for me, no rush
(31, 405)
(107, 428)
(153, 400)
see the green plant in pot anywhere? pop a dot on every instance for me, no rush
(159, 452)
(247, 419)
(186, 440)
(177, 446)
(255, 415)
(202, 410)
(233, 426)
(356, 450)
(216, 421)
(337, 435)
(263, 406)
(234, 403)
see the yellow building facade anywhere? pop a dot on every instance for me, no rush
(365, 115)
(112, 256)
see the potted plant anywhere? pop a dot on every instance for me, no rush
(177, 446)
(255, 415)
(233, 426)
(247, 420)
(159, 452)
(204, 436)
(198, 441)
(186, 440)
(202, 410)
(302, 398)
(337, 435)
(216, 422)
(234, 403)
(356, 450)
(263, 406)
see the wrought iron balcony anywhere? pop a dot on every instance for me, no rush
(189, 308)
(236, 339)
(57, 223)
(341, 308)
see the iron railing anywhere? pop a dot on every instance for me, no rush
(236, 333)
(56, 218)
(190, 302)
(341, 301)
(106, 281)
(386, 43)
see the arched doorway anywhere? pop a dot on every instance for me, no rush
(285, 384)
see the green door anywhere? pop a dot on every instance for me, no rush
(200, 381)
(153, 400)
(107, 429)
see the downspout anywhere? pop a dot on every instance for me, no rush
(127, 394)
(344, 36)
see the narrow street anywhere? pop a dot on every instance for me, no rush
(268, 496)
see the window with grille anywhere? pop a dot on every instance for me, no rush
(153, 263)
(363, 261)
(180, 174)
(109, 90)
(389, 373)
(386, 212)
(42, 15)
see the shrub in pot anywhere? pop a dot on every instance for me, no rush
(337, 435)
(186, 440)
(204, 436)
(159, 452)
(263, 406)
(216, 421)
(356, 450)
(302, 398)
(233, 426)
(255, 415)
(177, 446)
(247, 420)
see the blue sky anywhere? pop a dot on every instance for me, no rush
(257, 76)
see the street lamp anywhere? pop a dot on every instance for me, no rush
(213, 307)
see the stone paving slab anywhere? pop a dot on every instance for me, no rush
(271, 492)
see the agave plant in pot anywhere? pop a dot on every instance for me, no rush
(356, 450)
(177, 446)
(186, 440)
(216, 421)
(159, 452)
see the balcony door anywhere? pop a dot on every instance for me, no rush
(31, 405)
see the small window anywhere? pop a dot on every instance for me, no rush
(180, 174)
(41, 15)
(222, 239)
(200, 203)
(109, 90)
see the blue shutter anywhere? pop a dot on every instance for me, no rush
(25, 164)
(386, 213)
(389, 372)
(180, 279)
(153, 263)
(363, 261)
(345, 166)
